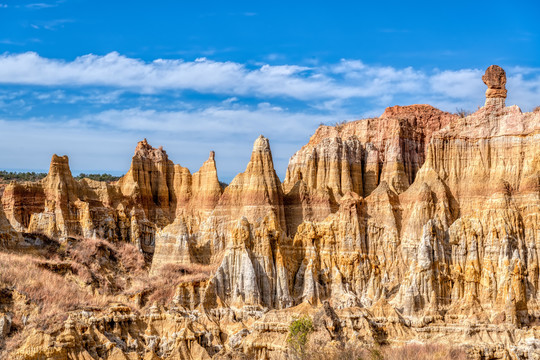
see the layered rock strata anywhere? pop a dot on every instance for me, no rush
(358, 156)
(495, 79)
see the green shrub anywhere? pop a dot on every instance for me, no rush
(7, 176)
(299, 331)
(98, 177)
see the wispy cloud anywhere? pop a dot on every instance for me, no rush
(87, 97)
(43, 5)
(394, 31)
(458, 84)
(11, 42)
(40, 5)
(19, 43)
(52, 25)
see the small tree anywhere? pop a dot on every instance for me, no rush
(299, 331)
(463, 113)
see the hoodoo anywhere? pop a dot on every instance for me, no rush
(495, 79)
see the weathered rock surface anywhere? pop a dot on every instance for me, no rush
(495, 79)
(358, 156)
(418, 225)
(152, 194)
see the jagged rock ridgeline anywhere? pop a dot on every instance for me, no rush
(150, 196)
(417, 225)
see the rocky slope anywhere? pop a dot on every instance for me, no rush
(419, 225)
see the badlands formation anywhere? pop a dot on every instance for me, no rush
(419, 225)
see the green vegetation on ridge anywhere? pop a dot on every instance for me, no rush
(6, 176)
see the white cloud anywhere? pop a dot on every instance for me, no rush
(346, 66)
(347, 79)
(10, 42)
(230, 100)
(458, 84)
(38, 6)
(524, 87)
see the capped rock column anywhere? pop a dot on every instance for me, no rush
(495, 79)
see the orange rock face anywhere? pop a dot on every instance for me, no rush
(358, 156)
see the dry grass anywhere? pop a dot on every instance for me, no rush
(54, 294)
(406, 352)
(11, 344)
(105, 266)
(160, 288)
(346, 352)
(131, 258)
(424, 352)
(339, 125)
(92, 272)
(82, 273)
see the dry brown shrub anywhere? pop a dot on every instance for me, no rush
(319, 350)
(536, 109)
(339, 125)
(160, 288)
(131, 258)
(90, 251)
(345, 352)
(462, 113)
(53, 293)
(424, 352)
(83, 272)
(87, 250)
(11, 344)
(107, 267)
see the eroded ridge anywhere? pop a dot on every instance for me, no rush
(418, 225)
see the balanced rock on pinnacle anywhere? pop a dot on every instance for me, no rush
(495, 79)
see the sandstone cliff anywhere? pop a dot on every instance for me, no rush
(419, 225)
(358, 156)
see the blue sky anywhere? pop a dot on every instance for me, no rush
(91, 78)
